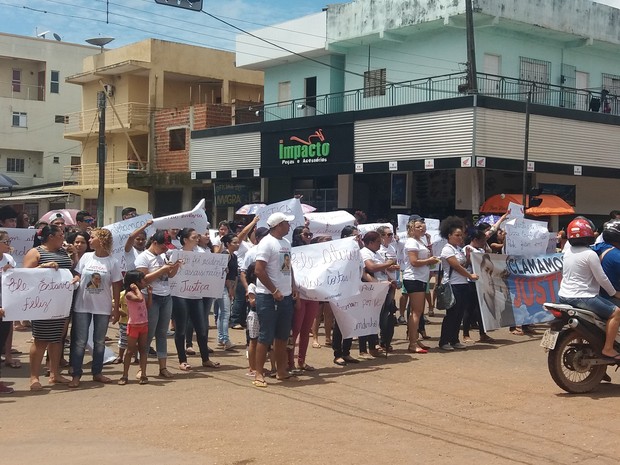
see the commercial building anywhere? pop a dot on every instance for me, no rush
(373, 108)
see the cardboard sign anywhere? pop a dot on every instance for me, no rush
(359, 315)
(515, 210)
(327, 270)
(120, 232)
(36, 293)
(290, 207)
(22, 241)
(329, 223)
(200, 275)
(526, 237)
(364, 228)
(196, 218)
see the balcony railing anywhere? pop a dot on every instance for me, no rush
(438, 88)
(132, 115)
(25, 92)
(87, 176)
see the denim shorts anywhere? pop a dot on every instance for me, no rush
(597, 304)
(275, 318)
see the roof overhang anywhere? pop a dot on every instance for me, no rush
(125, 67)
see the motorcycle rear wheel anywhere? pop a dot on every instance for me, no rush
(568, 365)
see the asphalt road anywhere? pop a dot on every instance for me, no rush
(491, 404)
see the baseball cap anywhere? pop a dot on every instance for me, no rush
(55, 216)
(416, 218)
(261, 232)
(277, 218)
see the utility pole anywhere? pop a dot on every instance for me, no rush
(526, 143)
(472, 75)
(101, 156)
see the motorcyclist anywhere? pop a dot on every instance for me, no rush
(609, 254)
(582, 277)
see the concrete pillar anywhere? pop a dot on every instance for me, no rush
(225, 91)
(345, 191)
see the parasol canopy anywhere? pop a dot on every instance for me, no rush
(67, 213)
(551, 205)
(7, 181)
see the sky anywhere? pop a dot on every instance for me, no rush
(130, 21)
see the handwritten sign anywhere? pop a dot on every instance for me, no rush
(515, 210)
(526, 237)
(22, 241)
(329, 223)
(290, 207)
(120, 232)
(200, 275)
(511, 289)
(196, 218)
(359, 315)
(36, 293)
(327, 270)
(402, 222)
(367, 227)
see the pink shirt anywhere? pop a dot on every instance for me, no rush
(137, 312)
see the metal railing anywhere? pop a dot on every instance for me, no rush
(26, 92)
(438, 88)
(88, 175)
(132, 115)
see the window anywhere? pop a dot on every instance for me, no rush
(611, 83)
(15, 165)
(374, 82)
(177, 139)
(56, 159)
(75, 163)
(55, 82)
(17, 80)
(61, 119)
(20, 120)
(284, 93)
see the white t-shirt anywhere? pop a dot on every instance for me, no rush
(452, 251)
(582, 274)
(249, 258)
(391, 252)
(244, 247)
(153, 262)
(5, 260)
(374, 257)
(130, 258)
(276, 253)
(416, 273)
(97, 275)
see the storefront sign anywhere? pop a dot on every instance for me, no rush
(230, 195)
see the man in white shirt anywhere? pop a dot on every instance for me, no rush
(274, 296)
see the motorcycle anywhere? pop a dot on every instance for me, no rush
(574, 342)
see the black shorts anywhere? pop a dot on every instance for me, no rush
(413, 285)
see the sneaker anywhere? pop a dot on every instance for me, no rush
(459, 346)
(401, 320)
(169, 333)
(446, 347)
(228, 345)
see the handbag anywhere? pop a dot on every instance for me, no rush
(443, 291)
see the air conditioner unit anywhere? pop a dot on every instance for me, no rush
(109, 90)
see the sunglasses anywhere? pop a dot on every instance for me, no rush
(89, 220)
(389, 234)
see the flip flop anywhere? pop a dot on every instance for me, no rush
(210, 364)
(122, 381)
(259, 383)
(316, 345)
(185, 367)
(36, 386)
(288, 378)
(615, 358)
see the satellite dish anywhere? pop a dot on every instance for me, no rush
(57, 37)
(100, 41)
(41, 35)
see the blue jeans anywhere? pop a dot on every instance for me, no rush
(223, 317)
(159, 320)
(597, 304)
(186, 310)
(81, 324)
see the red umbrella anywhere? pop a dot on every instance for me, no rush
(551, 205)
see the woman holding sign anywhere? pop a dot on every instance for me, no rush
(101, 281)
(48, 334)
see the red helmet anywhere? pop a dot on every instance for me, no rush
(580, 227)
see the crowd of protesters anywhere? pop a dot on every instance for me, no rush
(260, 295)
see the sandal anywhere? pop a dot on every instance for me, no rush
(183, 367)
(306, 367)
(517, 332)
(122, 381)
(259, 383)
(210, 364)
(143, 380)
(164, 373)
(316, 345)
(422, 345)
(190, 351)
(36, 386)
(102, 379)
(75, 382)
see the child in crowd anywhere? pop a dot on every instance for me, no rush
(252, 327)
(122, 329)
(137, 324)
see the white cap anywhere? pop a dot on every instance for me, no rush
(277, 218)
(55, 216)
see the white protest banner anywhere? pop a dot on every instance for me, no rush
(512, 289)
(120, 232)
(22, 241)
(552, 246)
(36, 293)
(200, 275)
(359, 315)
(402, 221)
(364, 228)
(290, 207)
(329, 223)
(432, 225)
(526, 237)
(327, 270)
(515, 210)
(196, 218)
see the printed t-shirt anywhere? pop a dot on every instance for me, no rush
(96, 277)
(276, 253)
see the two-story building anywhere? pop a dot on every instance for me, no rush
(34, 99)
(369, 107)
(157, 93)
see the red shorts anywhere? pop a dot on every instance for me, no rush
(134, 331)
